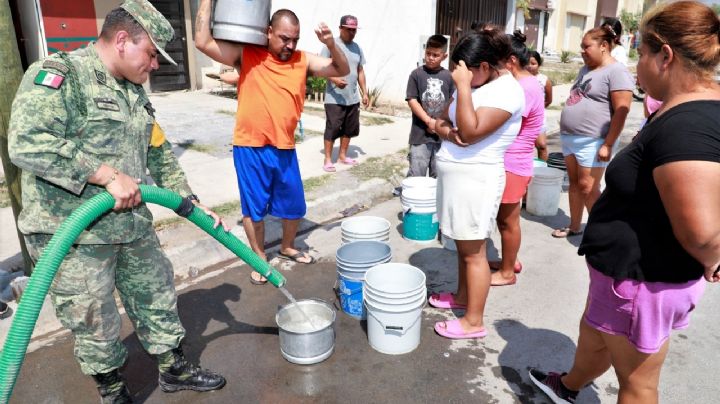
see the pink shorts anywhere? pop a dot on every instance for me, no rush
(515, 187)
(644, 312)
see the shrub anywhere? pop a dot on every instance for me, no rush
(565, 56)
(633, 55)
(317, 84)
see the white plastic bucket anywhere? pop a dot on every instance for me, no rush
(394, 332)
(418, 182)
(398, 304)
(384, 238)
(543, 195)
(394, 295)
(364, 228)
(395, 280)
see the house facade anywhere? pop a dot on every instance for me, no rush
(392, 33)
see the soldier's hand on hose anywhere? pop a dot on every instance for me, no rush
(121, 186)
(215, 216)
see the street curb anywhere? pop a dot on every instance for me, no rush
(189, 249)
(186, 260)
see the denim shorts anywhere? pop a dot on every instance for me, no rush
(644, 312)
(584, 148)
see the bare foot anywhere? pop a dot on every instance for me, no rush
(497, 279)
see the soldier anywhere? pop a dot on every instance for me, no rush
(82, 124)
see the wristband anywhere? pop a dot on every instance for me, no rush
(185, 208)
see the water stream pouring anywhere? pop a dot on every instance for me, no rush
(13, 353)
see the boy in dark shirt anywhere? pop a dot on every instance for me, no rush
(429, 89)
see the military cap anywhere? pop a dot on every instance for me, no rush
(155, 24)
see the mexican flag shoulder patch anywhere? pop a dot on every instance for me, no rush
(48, 79)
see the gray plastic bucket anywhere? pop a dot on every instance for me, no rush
(362, 253)
(244, 21)
(353, 261)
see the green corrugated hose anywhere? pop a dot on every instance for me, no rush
(13, 352)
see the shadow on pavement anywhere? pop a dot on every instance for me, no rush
(353, 151)
(541, 348)
(561, 219)
(201, 310)
(439, 266)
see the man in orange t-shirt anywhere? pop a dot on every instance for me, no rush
(271, 94)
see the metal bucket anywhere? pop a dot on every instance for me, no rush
(300, 344)
(243, 21)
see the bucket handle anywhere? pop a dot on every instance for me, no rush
(400, 328)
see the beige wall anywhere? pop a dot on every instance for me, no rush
(102, 7)
(633, 6)
(563, 30)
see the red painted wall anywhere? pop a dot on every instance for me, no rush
(69, 24)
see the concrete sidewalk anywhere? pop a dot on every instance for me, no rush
(202, 118)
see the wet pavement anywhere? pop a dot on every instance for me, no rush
(231, 329)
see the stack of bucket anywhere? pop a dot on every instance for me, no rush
(394, 296)
(543, 195)
(363, 228)
(418, 199)
(354, 259)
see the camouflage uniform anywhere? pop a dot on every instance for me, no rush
(69, 116)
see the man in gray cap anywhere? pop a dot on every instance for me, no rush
(81, 124)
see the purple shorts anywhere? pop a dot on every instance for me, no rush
(644, 312)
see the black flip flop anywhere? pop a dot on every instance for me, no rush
(294, 257)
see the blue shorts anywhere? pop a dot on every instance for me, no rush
(584, 148)
(269, 182)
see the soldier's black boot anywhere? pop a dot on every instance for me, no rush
(112, 388)
(176, 373)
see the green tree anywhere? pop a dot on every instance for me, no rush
(12, 72)
(630, 21)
